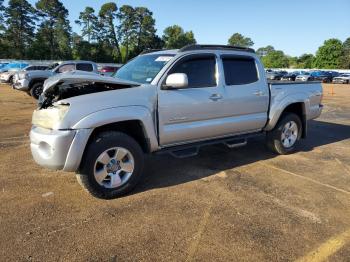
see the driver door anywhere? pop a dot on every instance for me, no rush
(195, 112)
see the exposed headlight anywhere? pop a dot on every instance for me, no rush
(50, 117)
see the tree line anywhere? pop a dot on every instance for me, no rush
(117, 34)
(333, 54)
(111, 34)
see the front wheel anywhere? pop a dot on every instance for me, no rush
(112, 165)
(284, 137)
(36, 90)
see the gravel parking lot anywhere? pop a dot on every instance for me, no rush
(243, 204)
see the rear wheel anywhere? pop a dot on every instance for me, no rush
(112, 165)
(36, 90)
(284, 137)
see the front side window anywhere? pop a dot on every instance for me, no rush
(239, 70)
(143, 69)
(66, 68)
(200, 71)
(85, 67)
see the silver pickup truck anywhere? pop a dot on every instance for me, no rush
(172, 101)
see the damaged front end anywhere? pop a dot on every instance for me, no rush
(71, 85)
(52, 108)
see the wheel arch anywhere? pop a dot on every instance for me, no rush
(136, 121)
(297, 107)
(35, 81)
(133, 128)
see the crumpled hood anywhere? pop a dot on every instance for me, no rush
(81, 77)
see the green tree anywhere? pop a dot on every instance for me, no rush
(239, 40)
(127, 30)
(345, 58)
(89, 23)
(20, 21)
(175, 37)
(3, 45)
(292, 61)
(2, 9)
(263, 51)
(305, 61)
(54, 33)
(275, 59)
(146, 32)
(329, 55)
(108, 15)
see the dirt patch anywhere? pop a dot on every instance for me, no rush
(242, 204)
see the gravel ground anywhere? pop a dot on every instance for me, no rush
(243, 204)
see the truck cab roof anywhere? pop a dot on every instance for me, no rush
(197, 48)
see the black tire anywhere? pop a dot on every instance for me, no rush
(274, 137)
(11, 80)
(36, 90)
(100, 144)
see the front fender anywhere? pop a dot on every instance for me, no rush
(279, 105)
(119, 114)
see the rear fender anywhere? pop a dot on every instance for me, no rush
(279, 106)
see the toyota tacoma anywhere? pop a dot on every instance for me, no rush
(167, 101)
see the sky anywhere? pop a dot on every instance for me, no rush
(293, 26)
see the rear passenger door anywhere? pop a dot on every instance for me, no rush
(246, 93)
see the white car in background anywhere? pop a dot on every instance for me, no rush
(305, 77)
(342, 79)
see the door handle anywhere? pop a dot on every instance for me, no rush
(259, 93)
(215, 97)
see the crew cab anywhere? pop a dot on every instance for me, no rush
(32, 82)
(168, 101)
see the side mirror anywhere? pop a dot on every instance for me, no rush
(176, 81)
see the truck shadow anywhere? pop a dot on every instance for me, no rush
(165, 171)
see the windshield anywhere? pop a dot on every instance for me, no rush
(52, 66)
(143, 69)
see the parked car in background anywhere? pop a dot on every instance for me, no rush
(322, 76)
(342, 79)
(14, 65)
(15, 74)
(290, 76)
(32, 82)
(3, 64)
(108, 70)
(304, 77)
(8, 71)
(334, 74)
(275, 75)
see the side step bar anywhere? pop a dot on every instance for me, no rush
(236, 143)
(190, 150)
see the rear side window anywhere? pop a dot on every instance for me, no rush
(66, 68)
(200, 71)
(239, 70)
(85, 67)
